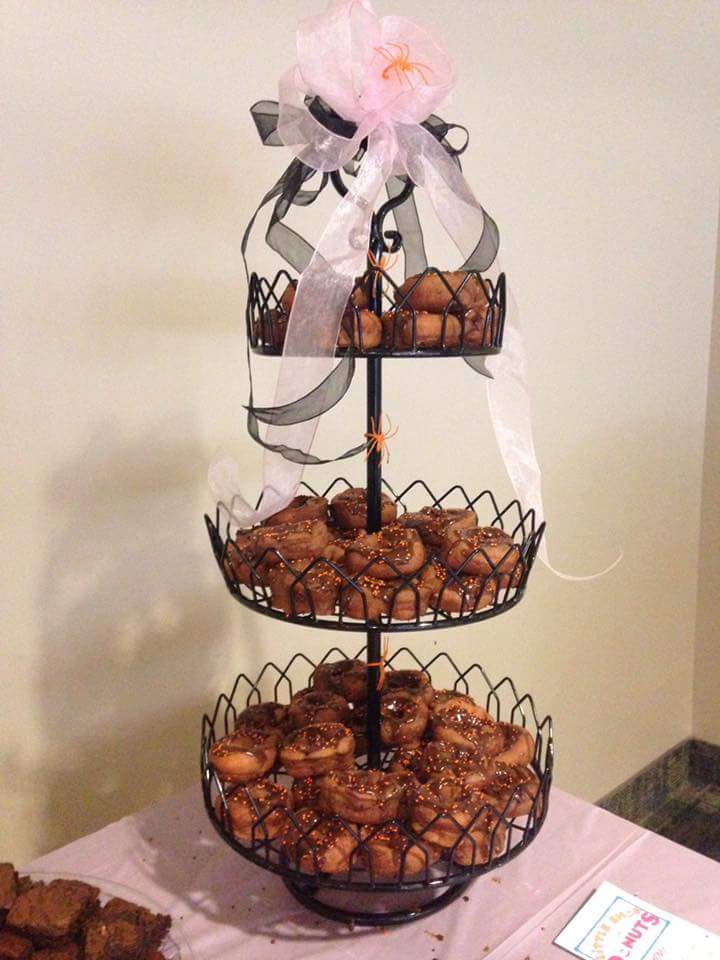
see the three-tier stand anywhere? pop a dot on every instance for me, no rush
(358, 897)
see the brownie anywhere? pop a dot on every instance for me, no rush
(52, 912)
(114, 940)
(13, 946)
(68, 951)
(155, 925)
(8, 886)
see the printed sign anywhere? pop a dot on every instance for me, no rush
(615, 925)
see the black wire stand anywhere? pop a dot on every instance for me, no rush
(266, 318)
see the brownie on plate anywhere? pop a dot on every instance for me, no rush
(13, 946)
(155, 925)
(53, 911)
(8, 886)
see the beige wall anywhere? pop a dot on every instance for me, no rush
(134, 167)
(706, 717)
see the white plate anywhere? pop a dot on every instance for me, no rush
(173, 947)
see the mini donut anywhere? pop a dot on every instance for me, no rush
(403, 719)
(306, 793)
(358, 298)
(288, 296)
(426, 331)
(465, 595)
(346, 677)
(391, 852)
(511, 788)
(247, 754)
(361, 796)
(317, 706)
(271, 328)
(362, 328)
(349, 508)
(257, 811)
(317, 749)
(306, 587)
(240, 559)
(443, 808)
(404, 759)
(317, 842)
(481, 551)
(452, 699)
(473, 850)
(470, 732)
(300, 508)
(268, 715)
(291, 541)
(435, 523)
(454, 291)
(518, 745)
(338, 543)
(371, 599)
(447, 759)
(394, 551)
(415, 682)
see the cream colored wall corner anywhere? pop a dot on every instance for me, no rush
(706, 701)
(134, 167)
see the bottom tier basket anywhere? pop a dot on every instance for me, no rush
(374, 900)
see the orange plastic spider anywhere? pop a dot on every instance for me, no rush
(381, 662)
(401, 65)
(386, 262)
(377, 438)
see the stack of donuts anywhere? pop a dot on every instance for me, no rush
(452, 779)
(314, 557)
(434, 310)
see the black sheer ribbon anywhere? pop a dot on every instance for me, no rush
(291, 189)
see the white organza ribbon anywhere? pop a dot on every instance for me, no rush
(386, 75)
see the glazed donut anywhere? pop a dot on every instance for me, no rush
(447, 759)
(403, 719)
(435, 523)
(349, 508)
(443, 808)
(415, 682)
(317, 749)
(394, 551)
(511, 789)
(473, 850)
(426, 331)
(346, 677)
(371, 599)
(362, 328)
(405, 759)
(247, 754)
(317, 706)
(496, 552)
(470, 732)
(435, 292)
(464, 595)
(452, 699)
(300, 508)
(309, 586)
(338, 543)
(257, 811)
(390, 852)
(361, 796)
(306, 793)
(291, 541)
(240, 560)
(518, 745)
(268, 715)
(315, 842)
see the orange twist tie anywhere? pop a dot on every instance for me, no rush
(401, 65)
(377, 438)
(381, 662)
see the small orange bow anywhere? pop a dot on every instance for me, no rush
(381, 662)
(377, 438)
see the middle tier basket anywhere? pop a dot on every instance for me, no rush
(434, 596)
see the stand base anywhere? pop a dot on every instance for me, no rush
(307, 895)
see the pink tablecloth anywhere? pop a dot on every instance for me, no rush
(228, 908)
